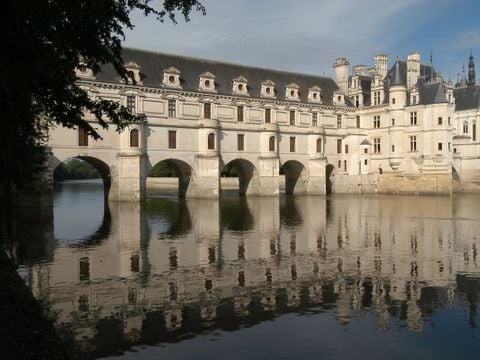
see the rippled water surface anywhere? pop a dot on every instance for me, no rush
(336, 277)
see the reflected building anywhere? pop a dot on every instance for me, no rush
(176, 267)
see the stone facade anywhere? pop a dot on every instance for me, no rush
(397, 130)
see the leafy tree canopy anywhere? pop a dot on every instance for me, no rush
(44, 41)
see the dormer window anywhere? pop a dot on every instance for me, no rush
(338, 99)
(240, 86)
(133, 72)
(83, 71)
(171, 77)
(207, 82)
(268, 89)
(291, 91)
(314, 94)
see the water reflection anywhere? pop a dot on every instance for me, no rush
(172, 269)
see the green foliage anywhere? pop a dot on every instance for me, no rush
(163, 169)
(75, 169)
(44, 41)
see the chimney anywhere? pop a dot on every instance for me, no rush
(341, 74)
(413, 69)
(381, 64)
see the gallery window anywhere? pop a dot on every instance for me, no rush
(82, 137)
(172, 108)
(292, 117)
(268, 115)
(292, 144)
(207, 110)
(240, 113)
(240, 142)
(172, 139)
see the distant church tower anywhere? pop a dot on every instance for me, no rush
(471, 70)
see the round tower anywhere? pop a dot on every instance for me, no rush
(341, 74)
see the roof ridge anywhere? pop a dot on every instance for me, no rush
(255, 67)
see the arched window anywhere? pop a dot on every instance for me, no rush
(211, 141)
(271, 143)
(134, 138)
(319, 145)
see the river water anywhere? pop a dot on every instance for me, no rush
(340, 277)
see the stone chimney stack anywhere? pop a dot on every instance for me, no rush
(341, 74)
(413, 69)
(381, 65)
(359, 70)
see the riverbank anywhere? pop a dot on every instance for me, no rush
(25, 330)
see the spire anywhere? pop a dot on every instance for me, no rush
(471, 70)
(463, 79)
(396, 77)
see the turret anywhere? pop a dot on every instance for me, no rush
(398, 90)
(413, 69)
(341, 74)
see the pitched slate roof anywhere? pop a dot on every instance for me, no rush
(432, 93)
(467, 97)
(152, 65)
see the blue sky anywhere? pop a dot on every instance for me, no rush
(308, 35)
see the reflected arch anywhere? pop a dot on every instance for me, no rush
(102, 168)
(328, 177)
(296, 177)
(248, 178)
(174, 168)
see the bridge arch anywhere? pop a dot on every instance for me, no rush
(296, 177)
(248, 177)
(182, 170)
(101, 166)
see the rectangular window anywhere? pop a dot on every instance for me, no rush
(82, 137)
(292, 144)
(240, 113)
(413, 118)
(357, 101)
(172, 108)
(393, 148)
(172, 139)
(339, 121)
(376, 121)
(440, 121)
(314, 118)
(346, 148)
(393, 101)
(376, 98)
(358, 121)
(449, 146)
(339, 164)
(131, 103)
(393, 122)
(240, 142)
(449, 121)
(474, 131)
(207, 110)
(413, 143)
(414, 99)
(376, 146)
(268, 115)
(292, 117)
(440, 146)
(339, 146)
(345, 165)
(365, 162)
